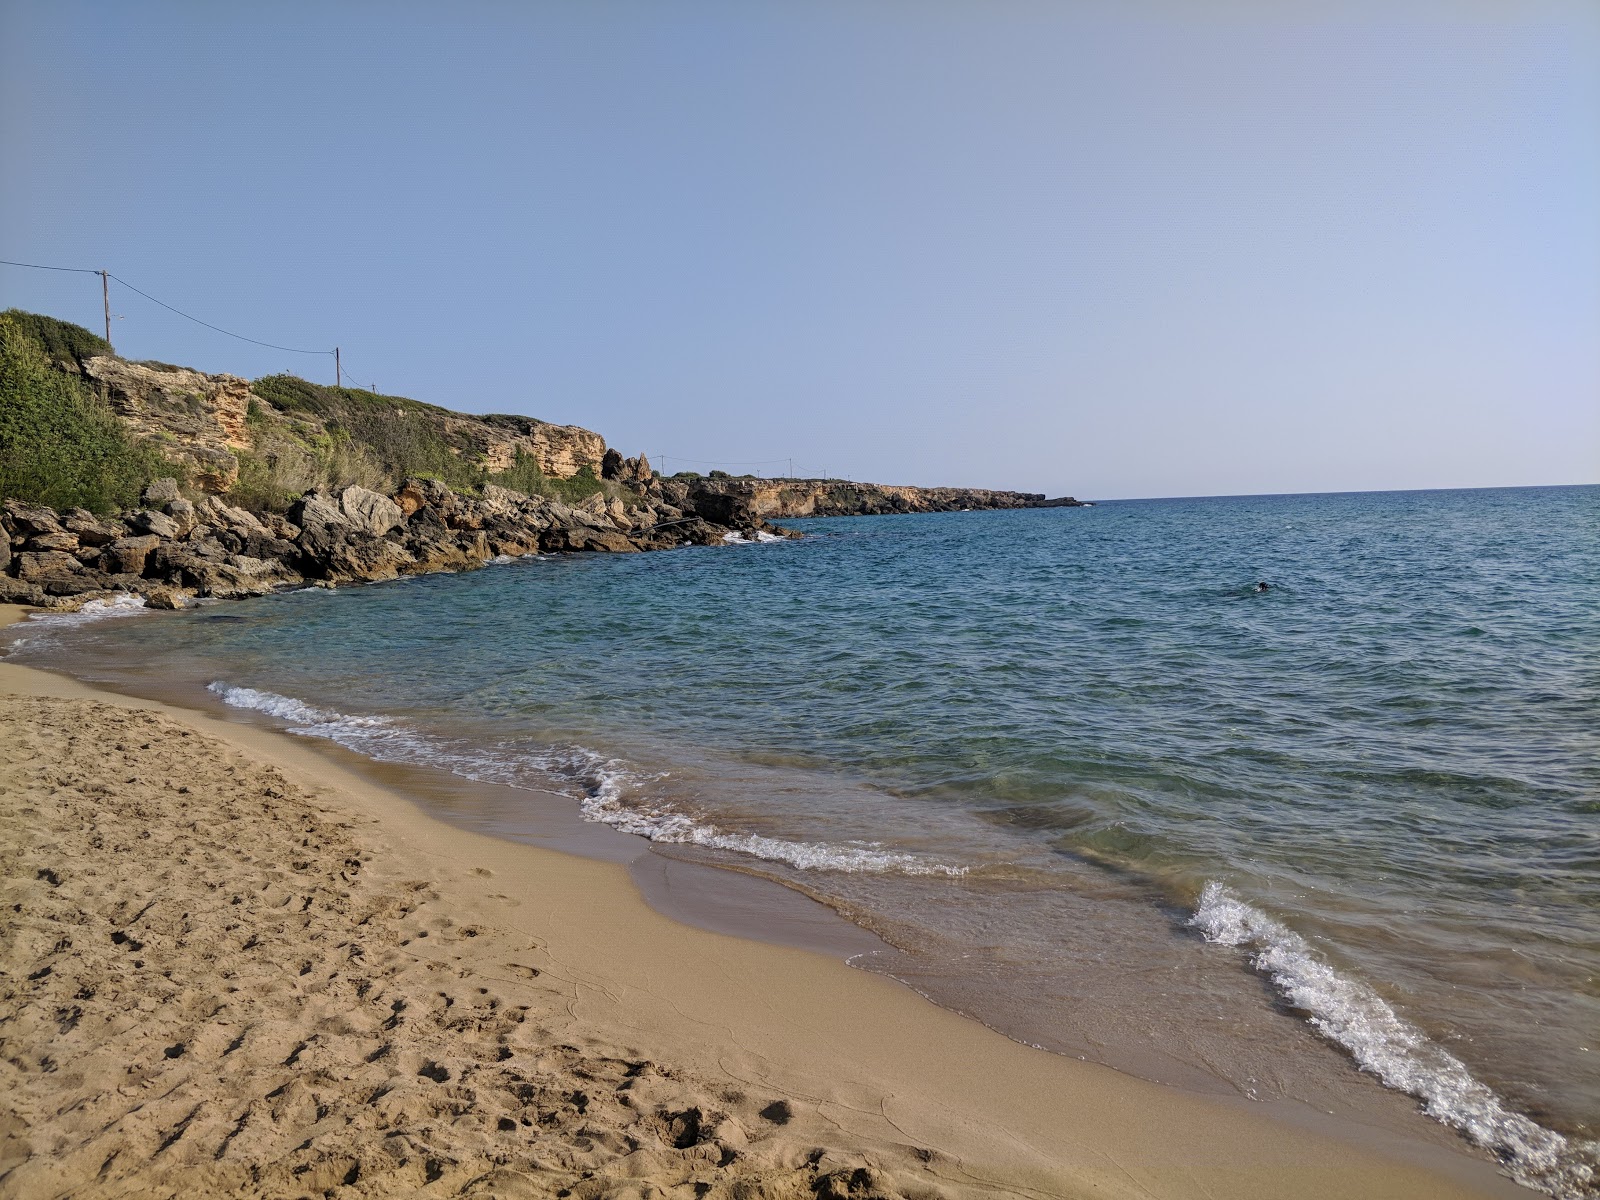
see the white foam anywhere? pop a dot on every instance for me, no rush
(761, 538)
(605, 804)
(605, 782)
(1348, 1012)
(123, 604)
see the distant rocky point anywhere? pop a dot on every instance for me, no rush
(209, 485)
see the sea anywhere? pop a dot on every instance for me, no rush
(1085, 781)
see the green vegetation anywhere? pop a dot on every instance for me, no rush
(525, 476)
(59, 443)
(60, 341)
(399, 436)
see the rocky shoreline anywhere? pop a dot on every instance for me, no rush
(173, 549)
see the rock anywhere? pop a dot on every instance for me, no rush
(213, 511)
(181, 511)
(128, 555)
(594, 505)
(415, 494)
(611, 465)
(5, 552)
(16, 591)
(44, 566)
(280, 527)
(160, 596)
(27, 520)
(146, 521)
(67, 543)
(91, 530)
(635, 472)
(368, 511)
(160, 492)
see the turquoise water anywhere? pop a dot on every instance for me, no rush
(1093, 786)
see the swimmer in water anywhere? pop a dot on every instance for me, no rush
(1261, 586)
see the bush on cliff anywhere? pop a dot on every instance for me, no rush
(60, 341)
(403, 437)
(59, 444)
(525, 476)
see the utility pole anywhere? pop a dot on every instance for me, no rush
(338, 373)
(105, 296)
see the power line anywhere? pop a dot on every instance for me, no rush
(726, 462)
(41, 267)
(226, 332)
(218, 328)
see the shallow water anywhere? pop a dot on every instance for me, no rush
(1094, 788)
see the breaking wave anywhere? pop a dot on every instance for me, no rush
(1350, 1013)
(604, 783)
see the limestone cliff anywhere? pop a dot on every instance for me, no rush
(198, 420)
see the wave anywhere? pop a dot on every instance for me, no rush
(761, 538)
(605, 783)
(123, 604)
(1351, 1014)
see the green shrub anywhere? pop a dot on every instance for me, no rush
(525, 476)
(61, 341)
(59, 443)
(398, 435)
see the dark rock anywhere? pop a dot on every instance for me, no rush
(611, 465)
(5, 552)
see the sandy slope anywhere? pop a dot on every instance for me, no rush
(230, 968)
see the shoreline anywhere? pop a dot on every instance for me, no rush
(769, 1013)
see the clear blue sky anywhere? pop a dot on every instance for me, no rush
(1102, 247)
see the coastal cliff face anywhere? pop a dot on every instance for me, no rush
(768, 498)
(197, 420)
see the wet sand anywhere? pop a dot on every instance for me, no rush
(235, 967)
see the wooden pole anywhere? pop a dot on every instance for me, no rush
(338, 372)
(105, 297)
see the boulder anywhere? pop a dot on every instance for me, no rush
(149, 521)
(611, 465)
(5, 552)
(160, 492)
(181, 511)
(213, 511)
(594, 505)
(415, 494)
(160, 596)
(63, 541)
(368, 511)
(128, 555)
(16, 591)
(26, 520)
(91, 530)
(42, 567)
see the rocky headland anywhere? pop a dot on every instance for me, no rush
(192, 484)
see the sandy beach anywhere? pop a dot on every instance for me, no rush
(230, 967)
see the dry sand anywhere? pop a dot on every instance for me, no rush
(228, 967)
